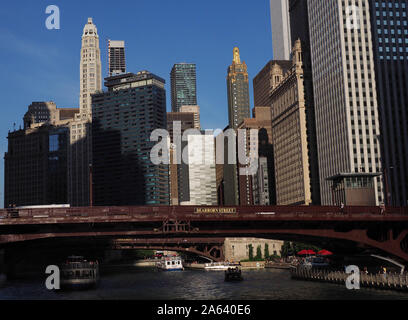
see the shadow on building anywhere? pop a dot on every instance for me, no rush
(266, 151)
(118, 176)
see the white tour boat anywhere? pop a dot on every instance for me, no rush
(219, 266)
(170, 264)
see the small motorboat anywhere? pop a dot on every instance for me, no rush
(233, 274)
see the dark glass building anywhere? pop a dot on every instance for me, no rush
(36, 166)
(123, 119)
(183, 86)
(389, 26)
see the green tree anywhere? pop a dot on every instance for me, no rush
(266, 251)
(251, 252)
(258, 253)
(286, 249)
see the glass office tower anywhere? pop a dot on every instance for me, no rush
(183, 86)
(123, 119)
(389, 28)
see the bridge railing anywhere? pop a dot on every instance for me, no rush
(188, 211)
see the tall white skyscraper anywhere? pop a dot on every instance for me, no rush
(280, 22)
(80, 151)
(90, 69)
(347, 122)
(200, 184)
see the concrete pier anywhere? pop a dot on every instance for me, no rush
(390, 281)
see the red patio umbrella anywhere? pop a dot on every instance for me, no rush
(306, 252)
(325, 253)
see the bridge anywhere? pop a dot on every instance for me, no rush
(201, 230)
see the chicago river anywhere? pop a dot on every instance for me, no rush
(131, 283)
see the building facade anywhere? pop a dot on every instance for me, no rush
(36, 166)
(123, 119)
(299, 26)
(183, 78)
(346, 107)
(280, 29)
(237, 249)
(290, 137)
(260, 184)
(90, 69)
(238, 91)
(248, 191)
(116, 57)
(389, 28)
(41, 112)
(80, 150)
(267, 79)
(186, 121)
(196, 111)
(197, 173)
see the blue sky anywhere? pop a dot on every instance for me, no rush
(38, 64)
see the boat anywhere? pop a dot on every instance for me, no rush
(314, 263)
(78, 273)
(219, 266)
(173, 263)
(233, 274)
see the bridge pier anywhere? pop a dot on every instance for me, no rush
(2, 267)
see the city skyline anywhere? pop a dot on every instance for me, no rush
(52, 57)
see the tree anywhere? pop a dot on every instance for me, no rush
(287, 249)
(258, 253)
(251, 252)
(266, 251)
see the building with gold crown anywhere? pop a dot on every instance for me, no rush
(238, 91)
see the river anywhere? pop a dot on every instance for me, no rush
(149, 284)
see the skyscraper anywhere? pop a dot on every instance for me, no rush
(248, 191)
(116, 57)
(291, 141)
(80, 149)
(389, 28)
(238, 91)
(90, 69)
(187, 121)
(123, 119)
(280, 29)
(183, 86)
(299, 27)
(197, 178)
(346, 108)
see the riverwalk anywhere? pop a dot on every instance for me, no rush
(390, 281)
